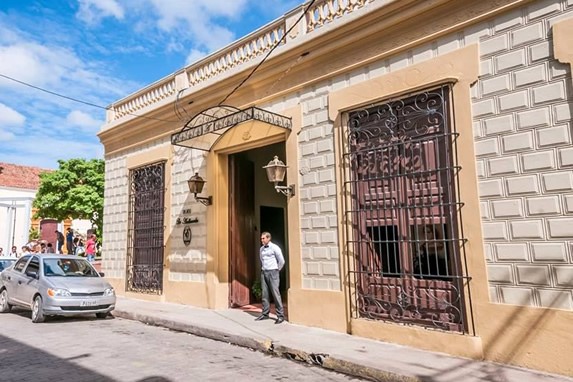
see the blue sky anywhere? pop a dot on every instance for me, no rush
(100, 51)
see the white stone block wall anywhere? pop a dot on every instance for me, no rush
(522, 124)
(187, 263)
(116, 205)
(115, 211)
(317, 190)
(522, 107)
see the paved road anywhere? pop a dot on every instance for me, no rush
(87, 349)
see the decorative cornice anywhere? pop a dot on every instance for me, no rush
(378, 33)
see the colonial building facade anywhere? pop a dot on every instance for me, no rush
(428, 198)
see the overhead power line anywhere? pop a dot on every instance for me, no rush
(268, 53)
(77, 100)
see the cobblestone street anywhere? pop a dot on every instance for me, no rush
(86, 349)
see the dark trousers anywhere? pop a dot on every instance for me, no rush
(270, 281)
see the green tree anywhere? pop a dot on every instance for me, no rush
(75, 190)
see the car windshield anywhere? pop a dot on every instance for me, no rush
(68, 268)
(6, 263)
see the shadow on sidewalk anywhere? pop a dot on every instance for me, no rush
(21, 362)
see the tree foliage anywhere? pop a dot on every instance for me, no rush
(75, 190)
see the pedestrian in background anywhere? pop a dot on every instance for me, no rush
(14, 252)
(79, 249)
(59, 241)
(91, 248)
(272, 261)
(70, 241)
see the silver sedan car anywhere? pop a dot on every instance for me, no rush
(55, 285)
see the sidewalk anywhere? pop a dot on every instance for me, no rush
(344, 353)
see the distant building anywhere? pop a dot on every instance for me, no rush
(18, 186)
(429, 153)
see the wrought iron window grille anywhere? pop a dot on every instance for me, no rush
(145, 250)
(403, 213)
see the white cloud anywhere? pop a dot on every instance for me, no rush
(197, 20)
(93, 11)
(10, 117)
(194, 55)
(83, 121)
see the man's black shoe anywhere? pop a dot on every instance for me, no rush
(280, 320)
(262, 317)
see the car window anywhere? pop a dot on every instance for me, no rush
(21, 263)
(33, 265)
(4, 264)
(68, 268)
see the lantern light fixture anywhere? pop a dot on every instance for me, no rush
(196, 184)
(276, 171)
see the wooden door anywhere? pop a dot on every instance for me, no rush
(242, 235)
(48, 229)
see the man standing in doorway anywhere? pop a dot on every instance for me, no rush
(272, 261)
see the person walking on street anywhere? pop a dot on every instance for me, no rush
(59, 242)
(70, 241)
(91, 248)
(272, 261)
(14, 252)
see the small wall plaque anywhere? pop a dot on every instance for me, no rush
(187, 235)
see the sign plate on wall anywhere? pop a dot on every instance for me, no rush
(187, 235)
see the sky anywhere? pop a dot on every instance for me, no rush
(99, 51)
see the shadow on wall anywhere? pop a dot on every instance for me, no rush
(505, 332)
(21, 362)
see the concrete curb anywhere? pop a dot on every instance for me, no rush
(268, 347)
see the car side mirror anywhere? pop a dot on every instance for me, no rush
(32, 274)
(101, 274)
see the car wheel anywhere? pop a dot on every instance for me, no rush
(37, 310)
(5, 307)
(101, 315)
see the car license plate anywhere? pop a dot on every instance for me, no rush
(88, 303)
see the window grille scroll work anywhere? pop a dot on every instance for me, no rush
(146, 229)
(403, 214)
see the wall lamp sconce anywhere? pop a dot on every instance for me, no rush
(276, 171)
(196, 184)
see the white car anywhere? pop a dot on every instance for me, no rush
(55, 285)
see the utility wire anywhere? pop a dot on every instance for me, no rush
(77, 100)
(268, 54)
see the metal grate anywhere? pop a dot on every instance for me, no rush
(146, 229)
(403, 213)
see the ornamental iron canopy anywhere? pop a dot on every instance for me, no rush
(206, 127)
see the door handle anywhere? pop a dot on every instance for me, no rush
(9, 278)
(19, 282)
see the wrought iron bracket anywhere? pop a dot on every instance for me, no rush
(206, 201)
(287, 191)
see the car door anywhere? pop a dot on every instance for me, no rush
(13, 278)
(30, 280)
